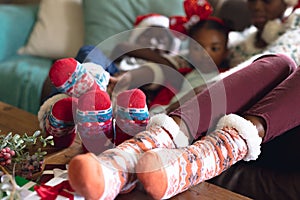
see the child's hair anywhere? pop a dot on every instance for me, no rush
(212, 23)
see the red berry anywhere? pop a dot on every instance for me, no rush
(12, 153)
(7, 156)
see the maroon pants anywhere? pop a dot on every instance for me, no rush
(267, 88)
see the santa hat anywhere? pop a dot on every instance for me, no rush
(148, 20)
(275, 27)
(151, 20)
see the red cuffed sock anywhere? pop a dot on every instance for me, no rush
(71, 78)
(94, 121)
(56, 119)
(132, 114)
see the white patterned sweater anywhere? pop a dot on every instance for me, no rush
(287, 42)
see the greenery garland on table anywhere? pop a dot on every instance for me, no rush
(14, 152)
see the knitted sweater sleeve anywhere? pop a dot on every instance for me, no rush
(287, 43)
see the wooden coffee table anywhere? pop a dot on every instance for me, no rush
(19, 121)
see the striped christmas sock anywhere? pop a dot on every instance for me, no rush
(113, 171)
(94, 121)
(56, 119)
(179, 169)
(132, 114)
(72, 78)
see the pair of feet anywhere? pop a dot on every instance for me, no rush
(85, 107)
(163, 165)
(100, 128)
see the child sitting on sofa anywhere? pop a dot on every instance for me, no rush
(208, 58)
(145, 44)
(150, 34)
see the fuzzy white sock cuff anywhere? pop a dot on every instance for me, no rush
(248, 132)
(163, 120)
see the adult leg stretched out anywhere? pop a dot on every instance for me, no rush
(234, 139)
(113, 171)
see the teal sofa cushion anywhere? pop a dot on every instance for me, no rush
(22, 79)
(105, 18)
(16, 23)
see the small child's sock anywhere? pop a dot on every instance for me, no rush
(132, 114)
(113, 171)
(71, 78)
(180, 169)
(94, 121)
(56, 119)
(100, 75)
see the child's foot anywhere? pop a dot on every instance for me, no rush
(56, 119)
(132, 114)
(94, 121)
(101, 76)
(71, 78)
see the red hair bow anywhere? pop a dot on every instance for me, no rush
(195, 11)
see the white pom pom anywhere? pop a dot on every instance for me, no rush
(272, 30)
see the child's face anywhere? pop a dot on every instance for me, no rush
(157, 38)
(215, 45)
(264, 10)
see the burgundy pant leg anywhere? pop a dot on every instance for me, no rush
(279, 108)
(235, 93)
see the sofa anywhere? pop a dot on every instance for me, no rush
(33, 35)
(57, 29)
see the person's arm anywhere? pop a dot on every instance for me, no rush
(133, 50)
(288, 43)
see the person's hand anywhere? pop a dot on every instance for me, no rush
(118, 83)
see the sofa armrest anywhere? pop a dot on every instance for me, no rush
(16, 24)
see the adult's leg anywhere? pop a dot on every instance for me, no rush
(278, 109)
(234, 94)
(235, 138)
